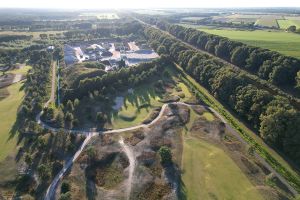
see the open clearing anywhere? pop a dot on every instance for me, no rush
(8, 114)
(136, 107)
(285, 43)
(210, 174)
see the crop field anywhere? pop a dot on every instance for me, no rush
(285, 23)
(204, 178)
(237, 18)
(285, 43)
(191, 19)
(101, 15)
(8, 114)
(35, 34)
(268, 21)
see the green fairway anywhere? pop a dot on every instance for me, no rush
(210, 174)
(136, 107)
(283, 42)
(8, 114)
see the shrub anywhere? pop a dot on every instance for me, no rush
(165, 155)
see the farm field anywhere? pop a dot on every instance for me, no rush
(101, 15)
(285, 43)
(268, 21)
(35, 34)
(205, 179)
(8, 114)
(285, 23)
(237, 18)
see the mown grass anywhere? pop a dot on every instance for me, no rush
(137, 106)
(283, 42)
(267, 153)
(8, 114)
(208, 173)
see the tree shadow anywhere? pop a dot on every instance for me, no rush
(173, 175)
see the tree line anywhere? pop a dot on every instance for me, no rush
(272, 66)
(113, 81)
(276, 120)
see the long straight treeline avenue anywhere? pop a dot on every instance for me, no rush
(276, 120)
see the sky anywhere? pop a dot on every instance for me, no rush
(98, 4)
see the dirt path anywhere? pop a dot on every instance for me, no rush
(129, 153)
(52, 96)
(89, 134)
(52, 188)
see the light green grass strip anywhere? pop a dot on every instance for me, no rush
(8, 115)
(208, 173)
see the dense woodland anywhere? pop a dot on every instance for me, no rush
(272, 116)
(43, 151)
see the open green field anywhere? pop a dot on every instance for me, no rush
(285, 23)
(136, 107)
(8, 114)
(211, 174)
(139, 104)
(285, 43)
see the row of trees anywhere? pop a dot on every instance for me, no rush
(118, 28)
(279, 69)
(113, 81)
(275, 119)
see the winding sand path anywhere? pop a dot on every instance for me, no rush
(129, 153)
(89, 134)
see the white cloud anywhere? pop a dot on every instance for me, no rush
(98, 4)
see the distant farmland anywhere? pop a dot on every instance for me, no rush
(285, 23)
(268, 21)
(285, 43)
